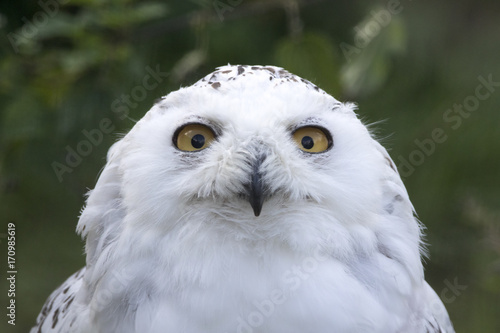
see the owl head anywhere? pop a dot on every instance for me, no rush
(254, 151)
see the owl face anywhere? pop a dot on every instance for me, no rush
(256, 143)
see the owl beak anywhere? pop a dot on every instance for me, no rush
(256, 188)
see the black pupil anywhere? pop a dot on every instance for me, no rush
(198, 141)
(307, 142)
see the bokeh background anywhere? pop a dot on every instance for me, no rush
(416, 69)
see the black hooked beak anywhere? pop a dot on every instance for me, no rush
(256, 188)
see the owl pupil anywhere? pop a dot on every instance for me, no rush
(307, 142)
(198, 141)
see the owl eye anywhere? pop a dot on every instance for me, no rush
(313, 139)
(193, 137)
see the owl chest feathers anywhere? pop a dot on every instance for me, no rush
(237, 285)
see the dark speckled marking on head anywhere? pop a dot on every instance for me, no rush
(270, 69)
(276, 75)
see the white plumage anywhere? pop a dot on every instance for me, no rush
(251, 231)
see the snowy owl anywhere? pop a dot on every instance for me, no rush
(251, 201)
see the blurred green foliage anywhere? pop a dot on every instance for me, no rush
(67, 65)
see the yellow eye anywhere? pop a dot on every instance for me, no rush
(312, 139)
(193, 137)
